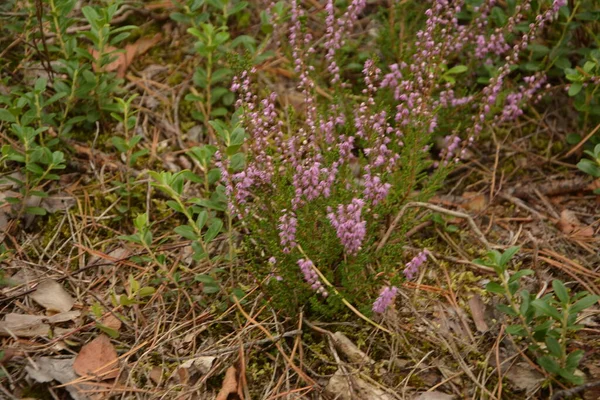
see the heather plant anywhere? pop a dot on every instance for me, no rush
(315, 193)
(546, 322)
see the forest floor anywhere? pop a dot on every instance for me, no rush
(68, 332)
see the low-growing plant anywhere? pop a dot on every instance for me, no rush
(547, 322)
(214, 45)
(315, 191)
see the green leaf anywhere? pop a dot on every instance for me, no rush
(516, 330)
(113, 333)
(519, 274)
(237, 161)
(549, 364)
(201, 219)
(584, 303)
(561, 292)
(589, 167)
(187, 232)
(494, 287)
(35, 210)
(213, 230)
(7, 116)
(506, 310)
(574, 358)
(553, 346)
(575, 88)
(211, 288)
(146, 291)
(508, 254)
(458, 69)
(206, 279)
(546, 309)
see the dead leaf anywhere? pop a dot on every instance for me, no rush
(523, 377)
(474, 201)
(338, 388)
(34, 325)
(125, 58)
(156, 374)
(51, 295)
(477, 312)
(112, 322)
(97, 358)
(58, 202)
(570, 224)
(47, 369)
(434, 396)
(202, 364)
(230, 384)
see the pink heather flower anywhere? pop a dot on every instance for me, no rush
(311, 277)
(386, 297)
(375, 190)
(412, 268)
(287, 230)
(349, 226)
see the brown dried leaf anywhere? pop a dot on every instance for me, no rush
(97, 358)
(34, 325)
(570, 224)
(523, 377)
(339, 388)
(52, 296)
(477, 312)
(474, 201)
(230, 384)
(156, 375)
(112, 322)
(47, 369)
(202, 364)
(125, 58)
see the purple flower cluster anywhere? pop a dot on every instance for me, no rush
(385, 299)
(353, 150)
(311, 277)
(287, 230)
(412, 267)
(349, 225)
(336, 30)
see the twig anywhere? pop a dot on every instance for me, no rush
(582, 142)
(573, 391)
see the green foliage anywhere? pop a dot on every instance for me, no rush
(208, 20)
(591, 167)
(546, 323)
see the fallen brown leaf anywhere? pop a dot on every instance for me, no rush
(570, 225)
(125, 58)
(230, 384)
(97, 358)
(474, 201)
(34, 325)
(477, 312)
(112, 322)
(52, 296)
(338, 387)
(156, 375)
(47, 369)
